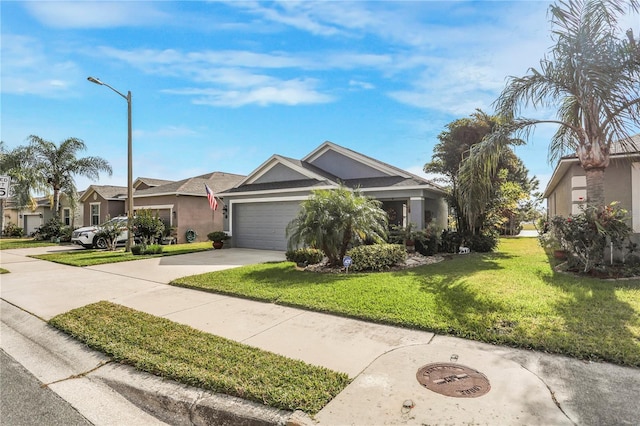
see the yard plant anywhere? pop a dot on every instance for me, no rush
(510, 297)
(99, 257)
(333, 219)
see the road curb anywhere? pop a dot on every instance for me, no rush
(179, 404)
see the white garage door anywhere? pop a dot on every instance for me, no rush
(263, 225)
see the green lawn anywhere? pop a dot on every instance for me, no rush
(18, 243)
(99, 257)
(510, 297)
(184, 354)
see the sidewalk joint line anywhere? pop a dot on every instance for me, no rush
(274, 325)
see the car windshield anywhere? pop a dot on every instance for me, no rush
(115, 221)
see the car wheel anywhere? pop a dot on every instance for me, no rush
(100, 243)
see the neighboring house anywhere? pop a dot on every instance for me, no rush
(145, 183)
(567, 189)
(261, 206)
(183, 205)
(102, 201)
(33, 217)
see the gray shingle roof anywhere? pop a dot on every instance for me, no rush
(217, 181)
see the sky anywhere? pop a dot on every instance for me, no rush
(223, 85)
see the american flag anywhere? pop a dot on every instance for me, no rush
(213, 203)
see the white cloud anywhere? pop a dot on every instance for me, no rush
(279, 92)
(28, 69)
(94, 14)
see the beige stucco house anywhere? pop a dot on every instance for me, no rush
(566, 190)
(32, 217)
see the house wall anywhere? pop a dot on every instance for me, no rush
(560, 202)
(344, 167)
(111, 208)
(194, 213)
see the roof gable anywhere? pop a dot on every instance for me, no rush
(347, 164)
(108, 192)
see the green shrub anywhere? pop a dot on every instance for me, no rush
(65, 234)
(149, 227)
(427, 240)
(13, 230)
(584, 236)
(308, 256)
(153, 249)
(377, 257)
(136, 250)
(483, 243)
(450, 241)
(51, 229)
(217, 236)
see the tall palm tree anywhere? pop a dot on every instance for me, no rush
(55, 166)
(331, 219)
(592, 77)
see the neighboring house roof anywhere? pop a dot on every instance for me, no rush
(108, 192)
(618, 151)
(217, 181)
(312, 177)
(150, 182)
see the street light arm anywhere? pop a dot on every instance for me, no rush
(101, 83)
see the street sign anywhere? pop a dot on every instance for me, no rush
(5, 181)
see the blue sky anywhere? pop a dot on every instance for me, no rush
(221, 86)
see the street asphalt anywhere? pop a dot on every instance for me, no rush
(482, 384)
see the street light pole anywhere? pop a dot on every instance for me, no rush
(129, 162)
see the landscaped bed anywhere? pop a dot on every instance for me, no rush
(179, 352)
(99, 257)
(510, 297)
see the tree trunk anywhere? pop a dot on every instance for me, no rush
(594, 159)
(595, 186)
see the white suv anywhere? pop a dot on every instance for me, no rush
(87, 238)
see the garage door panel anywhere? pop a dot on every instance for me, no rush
(263, 225)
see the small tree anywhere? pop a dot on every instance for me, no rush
(110, 231)
(332, 220)
(148, 226)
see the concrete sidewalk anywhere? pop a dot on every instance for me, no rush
(526, 387)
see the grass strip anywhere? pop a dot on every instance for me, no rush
(99, 257)
(511, 297)
(19, 243)
(182, 353)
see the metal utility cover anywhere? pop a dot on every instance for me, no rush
(453, 380)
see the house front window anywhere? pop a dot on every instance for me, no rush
(66, 216)
(95, 214)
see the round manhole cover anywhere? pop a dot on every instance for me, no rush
(453, 380)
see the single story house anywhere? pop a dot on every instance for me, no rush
(183, 205)
(261, 205)
(100, 201)
(32, 217)
(567, 189)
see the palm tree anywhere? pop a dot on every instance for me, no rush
(592, 77)
(332, 219)
(55, 166)
(17, 163)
